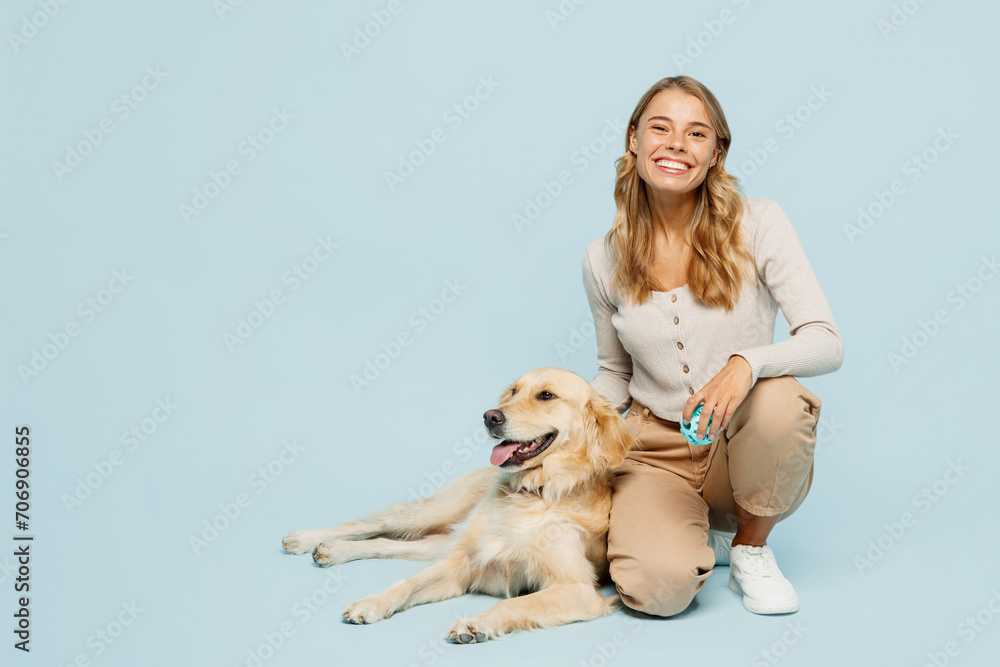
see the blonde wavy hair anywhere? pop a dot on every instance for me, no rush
(721, 257)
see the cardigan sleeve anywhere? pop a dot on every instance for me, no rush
(815, 346)
(614, 363)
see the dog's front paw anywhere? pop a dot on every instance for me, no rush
(470, 631)
(300, 541)
(367, 610)
(334, 552)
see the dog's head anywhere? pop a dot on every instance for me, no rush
(554, 416)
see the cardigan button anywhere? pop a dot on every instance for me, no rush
(680, 345)
(673, 297)
(691, 390)
(676, 319)
(685, 368)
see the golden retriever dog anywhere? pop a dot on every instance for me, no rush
(531, 529)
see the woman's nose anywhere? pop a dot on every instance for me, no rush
(677, 143)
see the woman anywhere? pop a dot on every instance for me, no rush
(685, 290)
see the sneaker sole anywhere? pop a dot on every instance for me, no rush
(756, 607)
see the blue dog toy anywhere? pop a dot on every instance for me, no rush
(690, 431)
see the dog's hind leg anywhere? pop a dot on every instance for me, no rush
(405, 521)
(335, 552)
(443, 580)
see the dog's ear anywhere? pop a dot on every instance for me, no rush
(608, 434)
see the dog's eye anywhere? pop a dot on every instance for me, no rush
(545, 396)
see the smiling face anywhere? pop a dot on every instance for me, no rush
(533, 413)
(674, 143)
(554, 414)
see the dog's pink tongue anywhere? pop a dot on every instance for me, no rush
(503, 452)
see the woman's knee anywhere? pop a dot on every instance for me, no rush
(782, 413)
(662, 587)
(772, 451)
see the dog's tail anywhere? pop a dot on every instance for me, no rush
(613, 602)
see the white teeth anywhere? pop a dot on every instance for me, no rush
(533, 444)
(670, 164)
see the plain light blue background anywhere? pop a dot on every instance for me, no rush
(890, 432)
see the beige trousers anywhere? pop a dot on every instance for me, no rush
(668, 492)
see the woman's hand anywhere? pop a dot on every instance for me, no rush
(723, 394)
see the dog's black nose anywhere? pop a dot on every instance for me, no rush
(493, 417)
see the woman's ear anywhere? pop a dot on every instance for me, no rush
(609, 436)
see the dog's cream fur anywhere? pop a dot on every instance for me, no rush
(534, 534)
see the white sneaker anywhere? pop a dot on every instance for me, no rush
(754, 573)
(721, 542)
